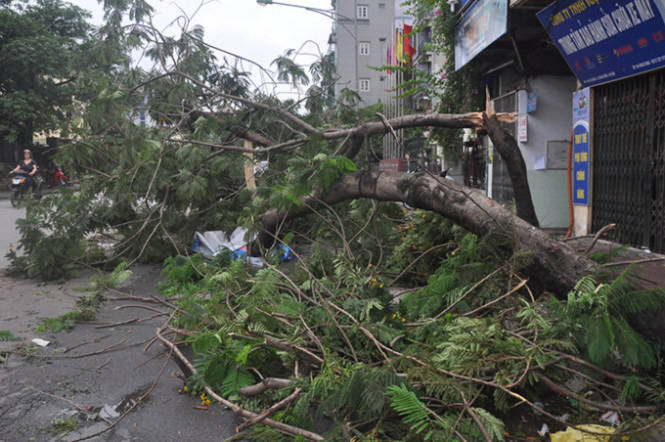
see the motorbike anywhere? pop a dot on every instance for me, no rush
(20, 185)
(56, 177)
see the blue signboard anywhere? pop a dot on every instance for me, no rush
(482, 23)
(531, 102)
(581, 138)
(606, 41)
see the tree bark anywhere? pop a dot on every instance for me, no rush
(452, 121)
(507, 147)
(555, 265)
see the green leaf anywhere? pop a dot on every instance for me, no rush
(631, 389)
(598, 341)
(235, 379)
(242, 356)
(204, 343)
(215, 370)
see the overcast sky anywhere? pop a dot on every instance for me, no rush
(260, 33)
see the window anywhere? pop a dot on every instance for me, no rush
(364, 85)
(363, 48)
(382, 6)
(362, 11)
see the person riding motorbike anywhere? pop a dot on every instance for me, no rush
(29, 167)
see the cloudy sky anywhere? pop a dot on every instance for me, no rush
(260, 33)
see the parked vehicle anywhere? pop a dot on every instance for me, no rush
(20, 185)
(56, 177)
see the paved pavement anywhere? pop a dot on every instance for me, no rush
(37, 391)
(59, 378)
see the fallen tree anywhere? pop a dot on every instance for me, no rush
(555, 265)
(465, 343)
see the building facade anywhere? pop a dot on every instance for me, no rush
(588, 88)
(362, 32)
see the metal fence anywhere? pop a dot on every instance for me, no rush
(629, 160)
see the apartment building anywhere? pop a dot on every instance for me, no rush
(362, 32)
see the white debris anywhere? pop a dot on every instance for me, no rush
(611, 417)
(211, 243)
(108, 412)
(544, 430)
(41, 342)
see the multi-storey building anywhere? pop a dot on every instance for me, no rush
(363, 31)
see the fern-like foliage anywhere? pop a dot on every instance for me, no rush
(601, 313)
(412, 411)
(458, 272)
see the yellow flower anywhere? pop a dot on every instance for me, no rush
(403, 319)
(424, 216)
(185, 388)
(625, 437)
(394, 315)
(203, 396)
(381, 286)
(180, 390)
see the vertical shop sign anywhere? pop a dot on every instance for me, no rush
(581, 138)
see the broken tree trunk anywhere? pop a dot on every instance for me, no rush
(507, 147)
(554, 264)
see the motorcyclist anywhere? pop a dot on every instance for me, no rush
(28, 166)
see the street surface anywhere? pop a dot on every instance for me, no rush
(97, 366)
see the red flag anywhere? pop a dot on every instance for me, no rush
(409, 51)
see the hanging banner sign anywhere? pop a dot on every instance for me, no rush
(606, 41)
(581, 138)
(522, 128)
(482, 23)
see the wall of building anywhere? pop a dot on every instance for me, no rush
(549, 191)
(375, 30)
(549, 125)
(552, 119)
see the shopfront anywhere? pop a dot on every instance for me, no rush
(617, 54)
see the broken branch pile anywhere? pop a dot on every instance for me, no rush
(325, 344)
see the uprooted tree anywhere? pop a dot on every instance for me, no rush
(461, 342)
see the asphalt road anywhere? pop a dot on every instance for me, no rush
(97, 365)
(104, 364)
(8, 233)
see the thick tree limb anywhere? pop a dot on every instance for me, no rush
(507, 147)
(553, 264)
(452, 121)
(357, 134)
(256, 138)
